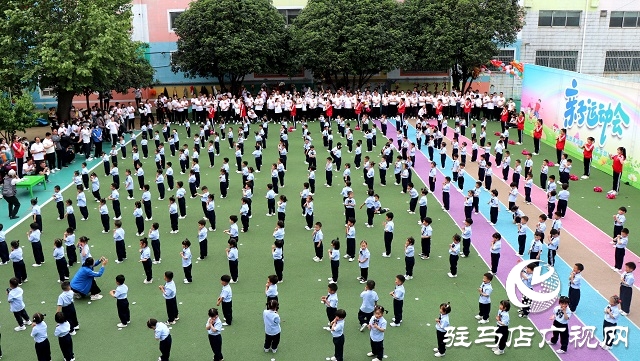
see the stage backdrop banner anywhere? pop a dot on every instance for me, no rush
(586, 106)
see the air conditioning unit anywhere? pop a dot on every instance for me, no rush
(603, 13)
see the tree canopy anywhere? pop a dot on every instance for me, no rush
(346, 42)
(72, 46)
(227, 39)
(17, 113)
(460, 35)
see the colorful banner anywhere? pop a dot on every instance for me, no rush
(586, 106)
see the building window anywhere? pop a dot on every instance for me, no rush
(566, 60)
(47, 93)
(622, 62)
(289, 14)
(624, 19)
(173, 16)
(559, 18)
(504, 55)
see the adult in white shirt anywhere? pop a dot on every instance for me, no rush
(85, 135)
(37, 150)
(49, 150)
(131, 116)
(113, 126)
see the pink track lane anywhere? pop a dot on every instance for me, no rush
(507, 259)
(592, 237)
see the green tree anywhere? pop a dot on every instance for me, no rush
(17, 113)
(70, 45)
(346, 42)
(228, 39)
(137, 73)
(460, 35)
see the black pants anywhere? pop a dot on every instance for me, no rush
(501, 340)
(21, 317)
(215, 341)
(43, 350)
(483, 310)
(84, 211)
(466, 246)
(187, 273)
(536, 145)
(364, 317)
(388, 239)
(70, 315)
(20, 272)
(233, 270)
(309, 219)
(551, 256)
(155, 245)
(4, 252)
(440, 336)
(319, 249)
(278, 265)
(66, 346)
(453, 264)
(445, 200)
(608, 337)
(562, 207)
(37, 252)
(174, 221)
(14, 205)
(522, 240)
(409, 262)
(105, 222)
(148, 270)
(172, 308)
(564, 335)
(619, 257)
(616, 181)
(543, 180)
(123, 310)
(139, 225)
(377, 348)
(227, 312)
(121, 250)
(625, 298)
(364, 273)
(271, 341)
(116, 208)
(397, 310)
(550, 208)
(425, 244)
(495, 260)
(203, 248)
(335, 266)
(574, 298)
(587, 166)
(63, 269)
(338, 345)
(165, 348)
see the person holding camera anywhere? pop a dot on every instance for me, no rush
(83, 282)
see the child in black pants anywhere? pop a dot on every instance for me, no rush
(337, 328)
(162, 334)
(169, 294)
(67, 307)
(61, 261)
(398, 301)
(63, 331)
(560, 317)
(225, 300)
(122, 303)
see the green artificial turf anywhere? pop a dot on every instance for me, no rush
(303, 316)
(595, 207)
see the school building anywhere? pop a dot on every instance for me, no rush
(597, 37)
